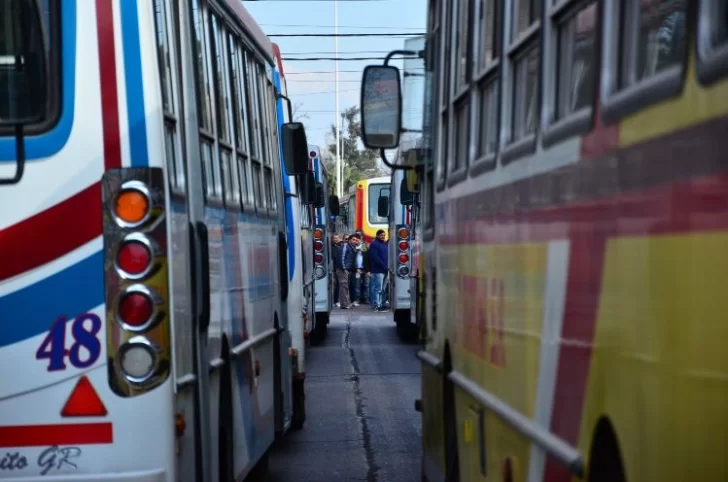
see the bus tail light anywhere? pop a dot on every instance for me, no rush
(319, 270)
(403, 252)
(137, 287)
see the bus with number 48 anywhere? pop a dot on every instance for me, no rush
(144, 332)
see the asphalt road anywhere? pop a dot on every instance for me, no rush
(360, 390)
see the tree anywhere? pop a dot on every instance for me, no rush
(296, 115)
(358, 163)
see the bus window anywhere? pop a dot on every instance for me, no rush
(375, 190)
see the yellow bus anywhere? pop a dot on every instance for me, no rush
(359, 208)
(576, 199)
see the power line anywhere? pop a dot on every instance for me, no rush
(334, 71)
(294, 82)
(288, 59)
(393, 34)
(293, 96)
(335, 53)
(340, 26)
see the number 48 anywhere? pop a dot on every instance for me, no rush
(84, 332)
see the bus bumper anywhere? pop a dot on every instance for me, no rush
(141, 476)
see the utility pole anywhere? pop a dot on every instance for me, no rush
(339, 180)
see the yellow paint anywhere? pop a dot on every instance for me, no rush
(660, 367)
(522, 268)
(696, 104)
(468, 431)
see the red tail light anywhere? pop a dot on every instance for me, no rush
(403, 258)
(134, 258)
(319, 258)
(318, 245)
(403, 245)
(135, 309)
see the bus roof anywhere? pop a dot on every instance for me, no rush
(252, 27)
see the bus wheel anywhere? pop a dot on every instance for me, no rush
(299, 403)
(261, 471)
(605, 461)
(225, 414)
(452, 459)
(318, 335)
(405, 329)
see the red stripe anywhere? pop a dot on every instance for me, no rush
(65, 434)
(689, 206)
(107, 75)
(66, 226)
(359, 219)
(51, 233)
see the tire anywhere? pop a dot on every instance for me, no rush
(261, 471)
(225, 437)
(299, 404)
(405, 329)
(605, 458)
(452, 459)
(318, 335)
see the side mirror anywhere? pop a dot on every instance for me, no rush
(405, 195)
(383, 206)
(334, 205)
(23, 64)
(295, 148)
(320, 196)
(308, 188)
(381, 107)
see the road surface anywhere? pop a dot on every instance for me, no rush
(360, 390)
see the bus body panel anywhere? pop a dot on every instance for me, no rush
(324, 285)
(581, 285)
(113, 116)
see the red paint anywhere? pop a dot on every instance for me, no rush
(107, 77)
(359, 219)
(69, 224)
(76, 220)
(686, 206)
(84, 401)
(63, 434)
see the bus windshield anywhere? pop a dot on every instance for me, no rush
(375, 190)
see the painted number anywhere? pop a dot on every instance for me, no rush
(84, 332)
(483, 306)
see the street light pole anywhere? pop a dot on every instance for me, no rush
(339, 183)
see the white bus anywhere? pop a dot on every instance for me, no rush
(140, 285)
(323, 267)
(297, 213)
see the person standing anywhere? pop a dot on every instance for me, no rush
(342, 275)
(347, 269)
(379, 264)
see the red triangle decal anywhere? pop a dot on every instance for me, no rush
(84, 401)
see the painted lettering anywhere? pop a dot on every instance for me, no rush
(84, 331)
(13, 461)
(58, 458)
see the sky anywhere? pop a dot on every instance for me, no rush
(311, 83)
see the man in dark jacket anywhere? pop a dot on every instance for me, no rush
(342, 276)
(379, 264)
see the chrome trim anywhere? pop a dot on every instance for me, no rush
(430, 360)
(251, 342)
(154, 318)
(133, 185)
(216, 363)
(550, 443)
(154, 253)
(147, 344)
(186, 380)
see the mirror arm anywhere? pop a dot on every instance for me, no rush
(19, 156)
(420, 54)
(288, 104)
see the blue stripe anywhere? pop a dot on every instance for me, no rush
(134, 84)
(286, 184)
(32, 310)
(49, 143)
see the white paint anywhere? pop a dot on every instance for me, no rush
(553, 316)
